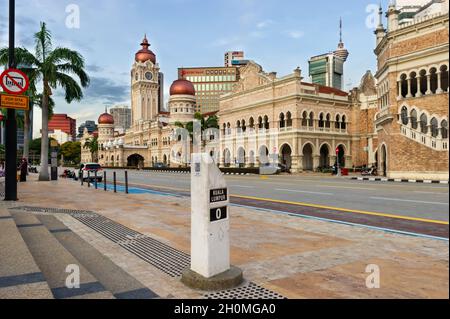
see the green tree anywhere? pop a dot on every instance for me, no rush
(53, 68)
(71, 151)
(35, 146)
(205, 123)
(92, 145)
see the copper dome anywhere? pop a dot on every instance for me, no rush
(106, 118)
(145, 54)
(182, 87)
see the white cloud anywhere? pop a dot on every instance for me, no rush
(264, 24)
(295, 34)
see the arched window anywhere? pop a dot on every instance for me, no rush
(311, 119)
(252, 122)
(328, 121)
(244, 127)
(282, 122)
(444, 78)
(424, 124)
(260, 122)
(224, 129)
(404, 85)
(337, 124)
(413, 77)
(305, 119)
(321, 121)
(434, 127)
(433, 80)
(344, 122)
(266, 122)
(288, 119)
(444, 129)
(414, 119)
(423, 82)
(404, 115)
(238, 124)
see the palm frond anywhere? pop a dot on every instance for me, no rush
(43, 40)
(71, 88)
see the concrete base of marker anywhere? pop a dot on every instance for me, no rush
(227, 280)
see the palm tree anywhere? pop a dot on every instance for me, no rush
(54, 67)
(205, 123)
(92, 145)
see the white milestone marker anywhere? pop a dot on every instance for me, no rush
(210, 223)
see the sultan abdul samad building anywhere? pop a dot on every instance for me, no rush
(396, 119)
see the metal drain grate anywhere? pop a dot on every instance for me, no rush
(251, 291)
(165, 258)
(51, 210)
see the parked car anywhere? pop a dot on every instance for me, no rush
(273, 169)
(160, 165)
(88, 170)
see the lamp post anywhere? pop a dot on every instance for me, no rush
(11, 124)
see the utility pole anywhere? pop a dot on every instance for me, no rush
(11, 124)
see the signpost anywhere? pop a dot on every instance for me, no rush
(14, 81)
(16, 102)
(210, 229)
(54, 160)
(338, 169)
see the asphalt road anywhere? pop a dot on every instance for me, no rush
(411, 200)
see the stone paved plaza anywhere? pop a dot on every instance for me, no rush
(292, 256)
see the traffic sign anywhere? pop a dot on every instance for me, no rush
(14, 81)
(18, 102)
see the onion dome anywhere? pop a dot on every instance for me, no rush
(106, 118)
(145, 54)
(182, 87)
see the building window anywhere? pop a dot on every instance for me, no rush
(424, 124)
(404, 115)
(282, 122)
(414, 119)
(444, 129)
(289, 119)
(434, 127)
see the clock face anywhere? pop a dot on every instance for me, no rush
(149, 76)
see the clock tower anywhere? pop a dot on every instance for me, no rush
(144, 86)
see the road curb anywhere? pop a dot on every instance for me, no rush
(397, 180)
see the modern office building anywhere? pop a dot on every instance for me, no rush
(122, 116)
(64, 123)
(210, 83)
(235, 58)
(328, 69)
(90, 125)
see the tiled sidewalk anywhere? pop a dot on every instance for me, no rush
(295, 257)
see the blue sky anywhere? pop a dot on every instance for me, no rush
(278, 34)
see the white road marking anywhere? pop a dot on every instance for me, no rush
(433, 193)
(409, 201)
(242, 186)
(304, 192)
(357, 188)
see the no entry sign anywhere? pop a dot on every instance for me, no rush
(14, 81)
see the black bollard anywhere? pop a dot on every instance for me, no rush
(96, 181)
(82, 178)
(104, 181)
(89, 179)
(115, 182)
(126, 182)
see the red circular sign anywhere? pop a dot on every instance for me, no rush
(337, 150)
(14, 81)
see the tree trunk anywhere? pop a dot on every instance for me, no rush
(44, 175)
(26, 134)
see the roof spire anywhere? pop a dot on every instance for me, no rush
(340, 30)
